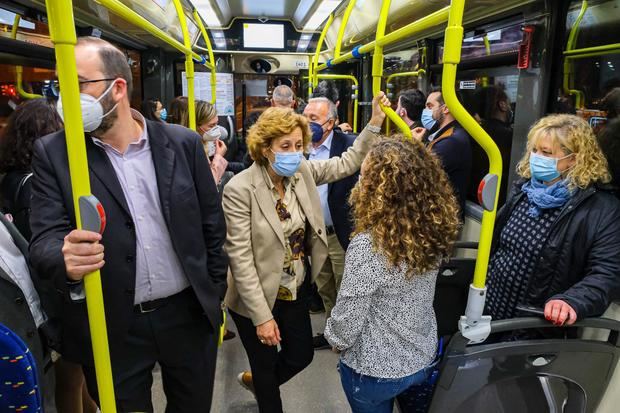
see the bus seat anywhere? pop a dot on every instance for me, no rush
(452, 288)
(527, 376)
(19, 389)
(611, 398)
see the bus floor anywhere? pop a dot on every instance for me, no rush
(317, 389)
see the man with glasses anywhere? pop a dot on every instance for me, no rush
(163, 270)
(329, 141)
(449, 141)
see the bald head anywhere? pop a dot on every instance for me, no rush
(283, 97)
(97, 54)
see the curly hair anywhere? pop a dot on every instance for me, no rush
(405, 201)
(272, 124)
(574, 136)
(30, 121)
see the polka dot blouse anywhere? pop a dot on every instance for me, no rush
(383, 323)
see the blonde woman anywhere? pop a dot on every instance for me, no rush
(406, 220)
(207, 128)
(557, 239)
(275, 224)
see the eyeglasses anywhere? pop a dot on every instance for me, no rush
(81, 83)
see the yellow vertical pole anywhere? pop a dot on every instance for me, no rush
(211, 57)
(189, 65)
(310, 77)
(567, 85)
(19, 70)
(319, 45)
(377, 69)
(62, 33)
(343, 27)
(451, 59)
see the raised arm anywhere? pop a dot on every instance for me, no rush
(337, 168)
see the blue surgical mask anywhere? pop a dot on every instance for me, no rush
(287, 163)
(427, 119)
(544, 168)
(163, 115)
(317, 131)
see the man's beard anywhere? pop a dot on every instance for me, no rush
(109, 120)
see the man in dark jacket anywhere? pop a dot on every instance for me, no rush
(165, 269)
(327, 142)
(449, 141)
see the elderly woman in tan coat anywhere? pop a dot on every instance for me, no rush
(275, 226)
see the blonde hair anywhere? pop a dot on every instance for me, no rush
(405, 201)
(204, 112)
(574, 136)
(274, 123)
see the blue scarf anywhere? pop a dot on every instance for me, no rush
(542, 196)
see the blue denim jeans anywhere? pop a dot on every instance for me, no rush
(367, 394)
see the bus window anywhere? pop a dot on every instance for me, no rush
(591, 78)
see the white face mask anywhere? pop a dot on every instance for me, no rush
(92, 110)
(209, 137)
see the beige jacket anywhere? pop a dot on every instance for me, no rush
(255, 241)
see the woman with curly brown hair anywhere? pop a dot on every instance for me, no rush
(406, 220)
(557, 239)
(274, 226)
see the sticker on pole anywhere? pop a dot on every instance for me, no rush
(92, 214)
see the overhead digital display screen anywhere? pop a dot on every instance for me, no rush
(263, 36)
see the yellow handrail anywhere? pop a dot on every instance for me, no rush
(211, 57)
(416, 73)
(355, 101)
(377, 69)
(189, 65)
(319, 45)
(451, 59)
(593, 51)
(426, 22)
(62, 33)
(343, 27)
(310, 77)
(127, 14)
(19, 70)
(568, 65)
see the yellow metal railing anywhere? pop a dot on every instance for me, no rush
(319, 45)
(19, 70)
(189, 65)
(451, 58)
(352, 79)
(568, 64)
(343, 27)
(389, 86)
(62, 33)
(426, 22)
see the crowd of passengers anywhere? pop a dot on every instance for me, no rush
(368, 219)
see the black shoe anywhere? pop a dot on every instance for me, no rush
(319, 342)
(229, 335)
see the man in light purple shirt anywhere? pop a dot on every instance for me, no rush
(163, 270)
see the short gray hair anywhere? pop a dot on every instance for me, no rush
(283, 96)
(332, 110)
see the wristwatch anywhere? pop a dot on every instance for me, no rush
(374, 129)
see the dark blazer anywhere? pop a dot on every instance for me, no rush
(454, 151)
(339, 191)
(579, 261)
(192, 211)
